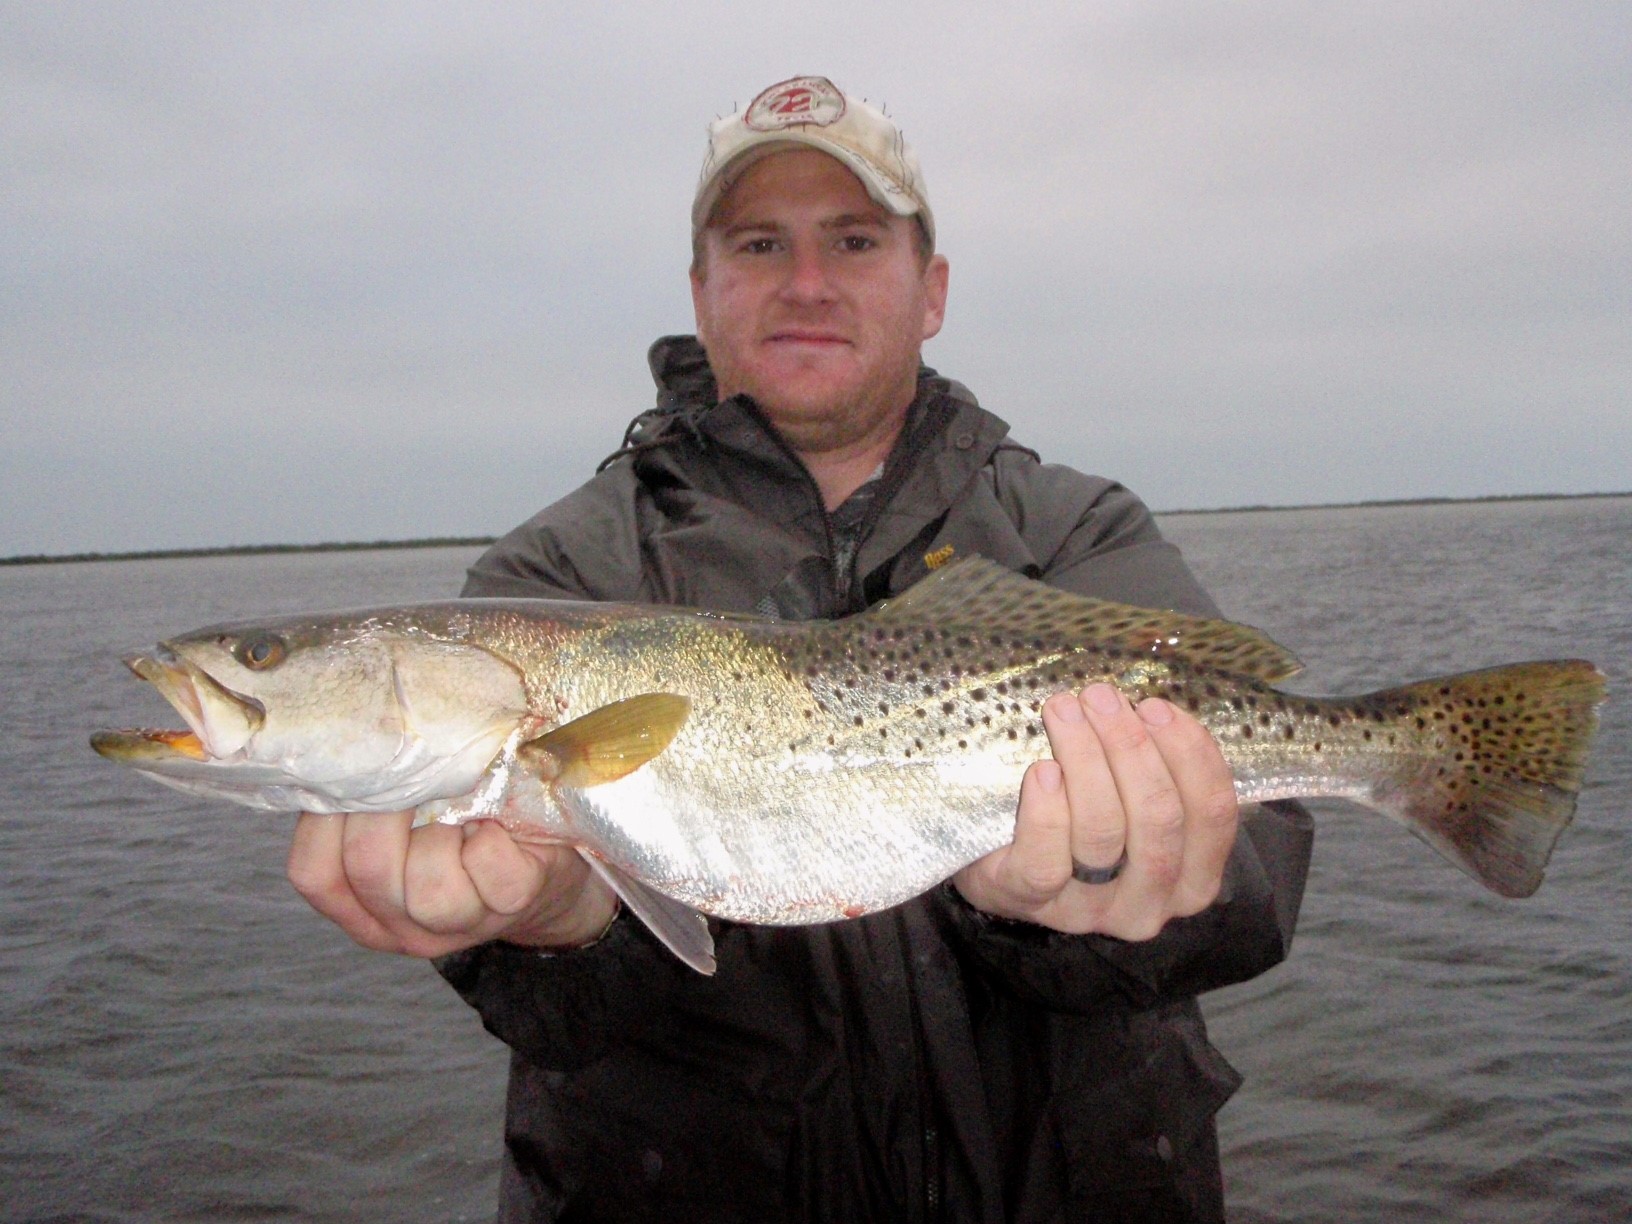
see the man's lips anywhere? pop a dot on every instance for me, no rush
(800, 335)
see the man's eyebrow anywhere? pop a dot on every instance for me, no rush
(848, 220)
(751, 225)
(748, 225)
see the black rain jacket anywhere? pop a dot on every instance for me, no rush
(921, 1064)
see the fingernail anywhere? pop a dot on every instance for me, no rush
(1155, 712)
(1049, 776)
(1068, 708)
(1103, 698)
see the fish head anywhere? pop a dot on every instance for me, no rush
(358, 712)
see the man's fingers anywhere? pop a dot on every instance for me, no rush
(1099, 825)
(318, 874)
(1207, 790)
(374, 853)
(507, 876)
(314, 862)
(1037, 864)
(1149, 795)
(437, 893)
(1147, 781)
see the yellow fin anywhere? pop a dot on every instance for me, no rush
(613, 741)
(974, 593)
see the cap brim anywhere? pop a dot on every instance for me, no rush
(883, 191)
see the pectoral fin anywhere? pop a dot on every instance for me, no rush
(681, 929)
(613, 741)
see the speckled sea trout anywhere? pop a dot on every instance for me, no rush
(783, 773)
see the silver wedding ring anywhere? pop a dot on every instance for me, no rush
(1099, 875)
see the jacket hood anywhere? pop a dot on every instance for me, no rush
(680, 369)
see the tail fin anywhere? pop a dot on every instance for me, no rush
(1514, 746)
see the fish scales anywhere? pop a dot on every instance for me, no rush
(808, 756)
(780, 772)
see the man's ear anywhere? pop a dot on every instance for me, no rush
(696, 278)
(937, 273)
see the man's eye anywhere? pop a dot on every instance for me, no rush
(858, 242)
(759, 246)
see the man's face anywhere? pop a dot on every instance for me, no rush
(814, 300)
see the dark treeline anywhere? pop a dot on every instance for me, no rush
(250, 550)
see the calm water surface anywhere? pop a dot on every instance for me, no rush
(182, 1039)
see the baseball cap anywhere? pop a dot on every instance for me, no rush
(810, 111)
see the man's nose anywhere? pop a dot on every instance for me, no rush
(807, 279)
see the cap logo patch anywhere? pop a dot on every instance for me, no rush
(803, 100)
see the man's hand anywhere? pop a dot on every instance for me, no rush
(1148, 782)
(442, 888)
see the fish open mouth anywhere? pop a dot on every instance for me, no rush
(219, 721)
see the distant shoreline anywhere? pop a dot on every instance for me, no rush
(1403, 501)
(250, 550)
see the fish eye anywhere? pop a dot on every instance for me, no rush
(260, 652)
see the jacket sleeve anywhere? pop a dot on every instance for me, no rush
(1108, 546)
(563, 1010)
(557, 1009)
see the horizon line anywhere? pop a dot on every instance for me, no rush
(230, 550)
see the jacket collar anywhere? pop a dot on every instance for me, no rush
(951, 435)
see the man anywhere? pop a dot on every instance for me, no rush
(1021, 1044)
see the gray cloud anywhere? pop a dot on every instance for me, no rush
(310, 272)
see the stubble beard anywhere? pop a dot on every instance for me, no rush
(825, 424)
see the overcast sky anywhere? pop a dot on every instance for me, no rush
(306, 272)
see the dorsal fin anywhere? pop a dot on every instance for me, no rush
(613, 741)
(977, 594)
